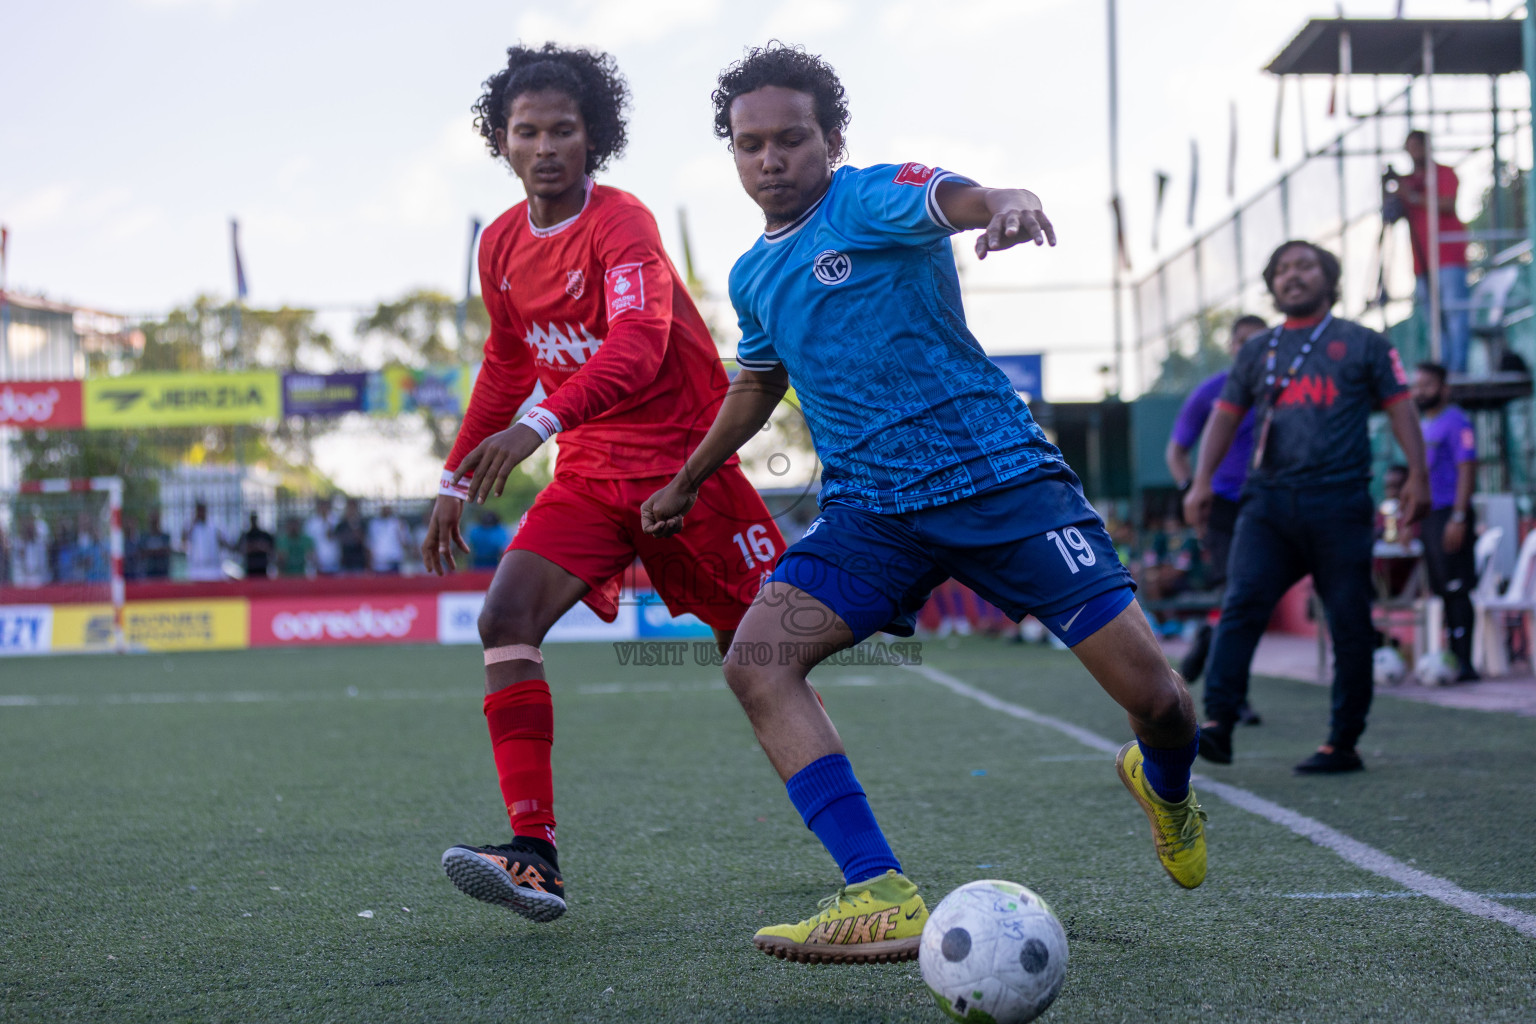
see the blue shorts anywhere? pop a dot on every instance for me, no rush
(1033, 548)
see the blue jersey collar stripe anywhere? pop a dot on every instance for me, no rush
(779, 234)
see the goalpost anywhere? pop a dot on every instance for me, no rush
(112, 488)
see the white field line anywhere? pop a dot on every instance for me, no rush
(56, 700)
(228, 697)
(1366, 894)
(1351, 850)
(269, 697)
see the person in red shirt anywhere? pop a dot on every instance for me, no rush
(585, 303)
(1455, 314)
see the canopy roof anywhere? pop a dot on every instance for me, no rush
(1395, 46)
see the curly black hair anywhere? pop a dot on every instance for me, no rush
(787, 66)
(1332, 271)
(591, 79)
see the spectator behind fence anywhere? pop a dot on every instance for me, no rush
(87, 554)
(132, 570)
(351, 537)
(295, 550)
(318, 528)
(1312, 384)
(29, 553)
(1455, 316)
(256, 546)
(488, 539)
(155, 549)
(204, 545)
(388, 539)
(1450, 449)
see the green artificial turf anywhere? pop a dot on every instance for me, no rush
(193, 837)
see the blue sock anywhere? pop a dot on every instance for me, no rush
(1167, 768)
(833, 805)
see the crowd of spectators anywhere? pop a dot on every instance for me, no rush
(330, 541)
(69, 551)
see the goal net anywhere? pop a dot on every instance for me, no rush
(61, 566)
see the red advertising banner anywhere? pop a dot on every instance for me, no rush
(37, 404)
(377, 619)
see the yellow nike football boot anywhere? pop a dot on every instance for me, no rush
(877, 921)
(1178, 830)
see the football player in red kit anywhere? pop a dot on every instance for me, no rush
(583, 301)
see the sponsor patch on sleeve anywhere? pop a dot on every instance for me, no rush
(913, 174)
(625, 286)
(1398, 373)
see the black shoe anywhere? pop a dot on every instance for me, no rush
(1328, 761)
(1247, 716)
(1194, 661)
(512, 875)
(1216, 743)
(1468, 674)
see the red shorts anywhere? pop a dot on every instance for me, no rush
(713, 567)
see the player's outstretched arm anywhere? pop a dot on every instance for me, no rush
(752, 397)
(1010, 215)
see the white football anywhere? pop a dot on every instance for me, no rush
(1387, 666)
(993, 951)
(1032, 630)
(1433, 670)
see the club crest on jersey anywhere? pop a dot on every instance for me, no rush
(913, 174)
(572, 346)
(626, 288)
(831, 267)
(1337, 350)
(575, 283)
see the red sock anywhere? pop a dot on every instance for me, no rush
(522, 722)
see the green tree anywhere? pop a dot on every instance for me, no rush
(201, 336)
(1182, 371)
(420, 330)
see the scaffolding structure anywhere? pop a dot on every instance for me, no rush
(1334, 195)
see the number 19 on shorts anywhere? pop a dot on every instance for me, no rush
(1072, 538)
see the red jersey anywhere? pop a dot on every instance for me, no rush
(1452, 254)
(593, 309)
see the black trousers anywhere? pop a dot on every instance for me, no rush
(1284, 534)
(1218, 538)
(1452, 575)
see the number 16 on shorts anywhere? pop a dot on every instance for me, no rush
(755, 543)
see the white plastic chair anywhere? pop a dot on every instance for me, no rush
(1490, 610)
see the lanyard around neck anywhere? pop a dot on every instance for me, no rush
(1301, 356)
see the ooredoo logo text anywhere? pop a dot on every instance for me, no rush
(364, 622)
(27, 407)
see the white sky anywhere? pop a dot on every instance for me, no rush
(340, 135)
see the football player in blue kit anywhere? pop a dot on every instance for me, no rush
(932, 467)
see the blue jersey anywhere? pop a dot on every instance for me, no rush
(859, 301)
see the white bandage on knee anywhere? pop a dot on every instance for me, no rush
(513, 652)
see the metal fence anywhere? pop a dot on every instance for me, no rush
(1333, 197)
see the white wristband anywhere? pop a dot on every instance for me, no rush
(458, 490)
(541, 421)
